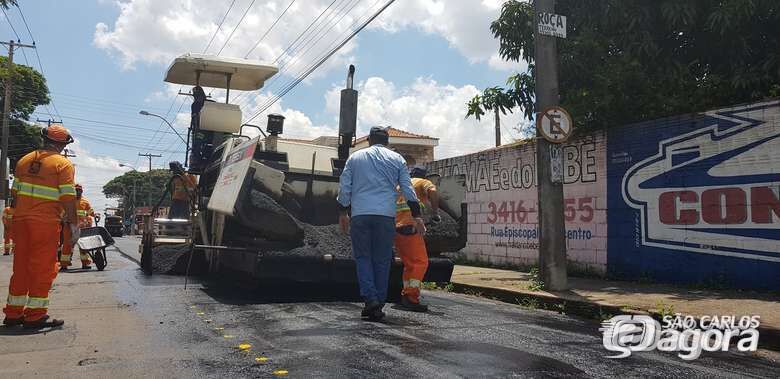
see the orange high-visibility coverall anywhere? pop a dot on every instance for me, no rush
(411, 248)
(85, 213)
(43, 180)
(8, 216)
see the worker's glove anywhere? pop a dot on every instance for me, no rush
(75, 233)
(419, 225)
(436, 218)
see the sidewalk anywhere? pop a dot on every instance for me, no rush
(598, 298)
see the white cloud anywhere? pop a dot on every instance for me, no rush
(93, 172)
(296, 123)
(429, 108)
(155, 32)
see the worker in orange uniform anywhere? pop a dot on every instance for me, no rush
(43, 188)
(180, 198)
(409, 242)
(85, 216)
(8, 216)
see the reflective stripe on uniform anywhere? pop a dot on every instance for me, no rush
(67, 189)
(36, 191)
(404, 207)
(81, 213)
(38, 302)
(17, 301)
(414, 283)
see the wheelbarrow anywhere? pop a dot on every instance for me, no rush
(93, 241)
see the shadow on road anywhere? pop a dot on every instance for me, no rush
(6, 330)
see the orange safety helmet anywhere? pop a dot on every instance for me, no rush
(56, 133)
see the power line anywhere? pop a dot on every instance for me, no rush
(321, 61)
(219, 27)
(37, 55)
(235, 28)
(308, 45)
(269, 29)
(295, 41)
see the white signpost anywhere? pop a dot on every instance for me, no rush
(551, 24)
(231, 177)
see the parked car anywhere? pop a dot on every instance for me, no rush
(114, 226)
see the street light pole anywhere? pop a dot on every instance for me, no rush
(186, 142)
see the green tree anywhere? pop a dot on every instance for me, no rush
(8, 3)
(29, 91)
(631, 60)
(502, 100)
(134, 188)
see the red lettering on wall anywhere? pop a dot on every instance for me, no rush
(667, 203)
(724, 206)
(763, 203)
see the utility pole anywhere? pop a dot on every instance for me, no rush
(6, 115)
(150, 156)
(552, 242)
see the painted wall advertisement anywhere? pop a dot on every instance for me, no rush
(692, 199)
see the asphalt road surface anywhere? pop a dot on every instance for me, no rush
(219, 330)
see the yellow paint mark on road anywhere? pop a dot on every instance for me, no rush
(219, 328)
(281, 372)
(229, 336)
(261, 359)
(193, 306)
(201, 313)
(244, 346)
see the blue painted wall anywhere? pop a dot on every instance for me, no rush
(696, 198)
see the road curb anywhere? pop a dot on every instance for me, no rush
(128, 256)
(769, 336)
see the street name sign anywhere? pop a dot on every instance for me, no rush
(551, 24)
(555, 124)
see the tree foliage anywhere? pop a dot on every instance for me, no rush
(8, 3)
(29, 91)
(630, 60)
(143, 183)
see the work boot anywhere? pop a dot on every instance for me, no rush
(372, 311)
(13, 321)
(44, 322)
(408, 305)
(63, 268)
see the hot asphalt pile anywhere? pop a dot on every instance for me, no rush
(268, 227)
(170, 259)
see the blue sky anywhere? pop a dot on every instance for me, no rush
(99, 81)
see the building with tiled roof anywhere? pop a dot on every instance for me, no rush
(415, 148)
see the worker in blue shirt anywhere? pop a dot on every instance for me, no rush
(367, 195)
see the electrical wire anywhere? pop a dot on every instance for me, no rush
(269, 29)
(37, 55)
(219, 27)
(321, 61)
(236, 27)
(291, 45)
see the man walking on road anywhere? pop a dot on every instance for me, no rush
(8, 216)
(367, 195)
(43, 187)
(85, 215)
(409, 241)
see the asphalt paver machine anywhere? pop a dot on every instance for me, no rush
(266, 206)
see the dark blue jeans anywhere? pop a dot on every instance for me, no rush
(372, 247)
